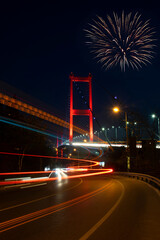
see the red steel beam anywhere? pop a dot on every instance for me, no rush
(81, 112)
(84, 112)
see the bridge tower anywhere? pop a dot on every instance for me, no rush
(81, 112)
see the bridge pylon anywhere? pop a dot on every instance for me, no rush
(81, 112)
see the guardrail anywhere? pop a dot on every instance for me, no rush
(155, 182)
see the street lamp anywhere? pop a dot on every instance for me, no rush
(154, 116)
(105, 132)
(116, 131)
(116, 110)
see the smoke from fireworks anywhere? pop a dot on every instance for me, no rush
(124, 41)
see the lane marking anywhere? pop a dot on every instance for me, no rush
(13, 179)
(39, 199)
(18, 185)
(7, 225)
(105, 217)
(37, 185)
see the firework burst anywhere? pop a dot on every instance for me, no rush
(125, 41)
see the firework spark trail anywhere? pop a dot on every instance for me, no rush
(125, 41)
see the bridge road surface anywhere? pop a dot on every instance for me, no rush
(99, 207)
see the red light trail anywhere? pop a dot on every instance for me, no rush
(99, 172)
(76, 169)
(53, 157)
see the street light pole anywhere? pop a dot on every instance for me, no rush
(158, 129)
(104, 129)
(116, 133)
(116, 110)
(154, 116)
(126, 126)
(127, 143)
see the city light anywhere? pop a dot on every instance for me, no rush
(158, 126)
(98, 144)
(116, 109)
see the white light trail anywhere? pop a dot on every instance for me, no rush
(98, 144)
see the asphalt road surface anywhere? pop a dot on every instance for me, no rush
(99, 207)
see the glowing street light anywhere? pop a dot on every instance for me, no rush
(116, 110)
(105, 132)
(154, 116)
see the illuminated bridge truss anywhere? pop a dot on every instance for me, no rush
(21, 106)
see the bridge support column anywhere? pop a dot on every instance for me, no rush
(80, 112)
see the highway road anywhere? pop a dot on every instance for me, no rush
(100, 207)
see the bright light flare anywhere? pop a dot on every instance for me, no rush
(58, 172)
(94, 145)
(116, 109)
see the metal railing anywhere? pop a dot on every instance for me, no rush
(155, 182)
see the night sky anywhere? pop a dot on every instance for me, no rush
(42, 43)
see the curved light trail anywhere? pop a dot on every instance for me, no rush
(76, 169)
(98, 172)
(94, 163)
